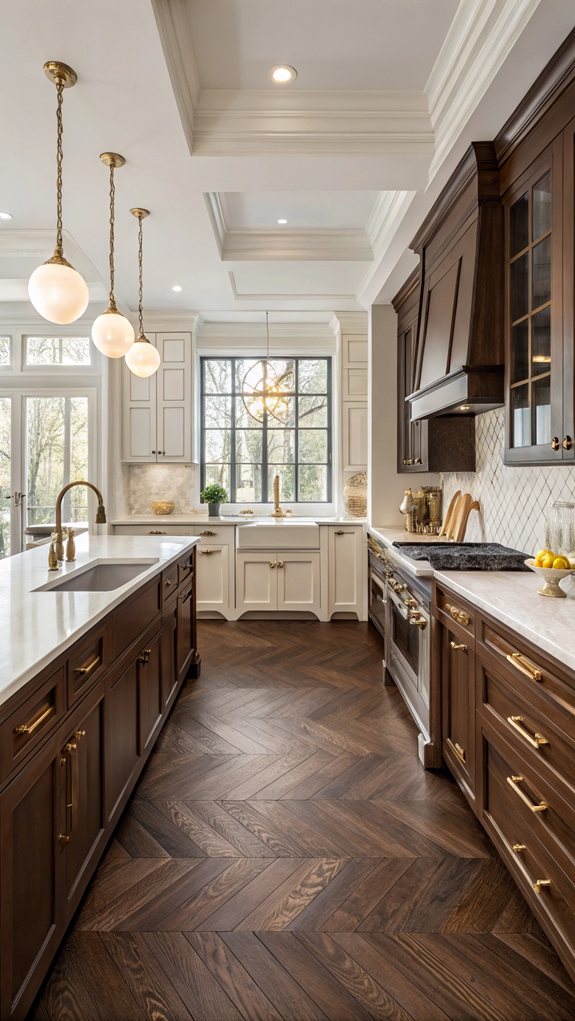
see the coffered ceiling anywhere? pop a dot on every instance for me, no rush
(352, 153)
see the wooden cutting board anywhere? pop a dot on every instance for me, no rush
(455, 522)
(450, 513)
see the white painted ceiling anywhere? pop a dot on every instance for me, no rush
(333, 44)
(389, 94)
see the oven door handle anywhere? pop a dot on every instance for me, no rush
(397, 602)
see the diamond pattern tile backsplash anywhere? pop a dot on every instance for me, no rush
(514, 502)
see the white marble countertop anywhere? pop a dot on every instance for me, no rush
(194, 518)
(38, 626)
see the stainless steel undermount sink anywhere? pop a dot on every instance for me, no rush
(279, 534)
(98, 576)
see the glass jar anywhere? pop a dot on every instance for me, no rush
(560, 528)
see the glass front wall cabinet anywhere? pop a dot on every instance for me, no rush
(534, 313)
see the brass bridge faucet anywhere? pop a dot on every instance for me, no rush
(100, 514)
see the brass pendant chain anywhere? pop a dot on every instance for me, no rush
(59, 158)
(111, 299)
(140, 272)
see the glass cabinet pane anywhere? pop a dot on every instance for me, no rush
(519, 287)
(541, 342)
(542, 410)
(520, 352)
(519, 225)
(520, 417)
(542, 207)
(541, 273)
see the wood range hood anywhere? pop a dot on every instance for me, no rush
(460, 341)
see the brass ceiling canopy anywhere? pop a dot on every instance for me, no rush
(140, 213)
(112, 159)
(60, 74)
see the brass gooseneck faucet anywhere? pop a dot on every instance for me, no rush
(100, 514)
(278, 511)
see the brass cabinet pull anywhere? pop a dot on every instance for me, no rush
(144, 656)
(459, 751)
(29, 728)
(535, 884)
(168, 582)
(458, 647)
(555, 443)
(87, 669)
(524, 665)
(155, 531)
(207, 532)
(340, 531)
(280, 563)
(417, 621)
(417, 460)
(460, 616)
(567, 443)
(272, 564)
(208, 552)
(514, 782)
(535, 740)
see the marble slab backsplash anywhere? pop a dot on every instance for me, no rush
(514, 502)
(147, 482)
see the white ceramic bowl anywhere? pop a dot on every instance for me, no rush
(551, 577)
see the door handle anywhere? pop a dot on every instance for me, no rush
(567, 443)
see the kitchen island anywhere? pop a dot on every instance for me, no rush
(94, 655)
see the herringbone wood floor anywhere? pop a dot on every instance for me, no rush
(286, 857)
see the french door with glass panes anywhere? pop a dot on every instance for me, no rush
(44, 443)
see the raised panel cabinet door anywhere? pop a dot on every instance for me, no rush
(256, 581)
(168, 660)
(568, 447)
(354, 435)
(150, 702)
(174, 397)
(213, 578)
(81, 761)
(298, 581)
(31, 915)
(139, 432)
(458, 702)
(185, 637)
(121, 737)
(345, 575)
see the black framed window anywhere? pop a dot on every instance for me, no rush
(243, 444)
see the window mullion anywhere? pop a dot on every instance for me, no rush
(233, 470)
(296, 433)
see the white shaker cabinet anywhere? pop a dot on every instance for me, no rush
(354, 371)
(278, 580)
(213, 588)
(157, 421)
(346, 571)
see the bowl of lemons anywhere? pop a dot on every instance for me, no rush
(552, 567)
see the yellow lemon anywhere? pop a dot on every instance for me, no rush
(543, 553)
(561, 564)
(547, 560)
(538, 561)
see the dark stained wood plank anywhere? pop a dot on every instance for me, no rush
(191, 912)
(233, 977)
(145, 977)
(235, 908)
(282, 906)
(193, 981)
(101, 991)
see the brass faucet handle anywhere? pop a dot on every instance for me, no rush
(101, 514)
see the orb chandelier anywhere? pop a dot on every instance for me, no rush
(266, 391)
(57, 291)
(112, 333)
(143, 359)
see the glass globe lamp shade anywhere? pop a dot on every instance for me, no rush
(143, 359)
(58, 292)
(112, 333)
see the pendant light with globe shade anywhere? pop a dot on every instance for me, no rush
(143, 359)
(112, 333)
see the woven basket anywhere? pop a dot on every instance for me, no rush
(355, 495)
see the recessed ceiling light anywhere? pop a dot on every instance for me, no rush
(282, 221)
(5, 216)
(177, 288)
(283, 73)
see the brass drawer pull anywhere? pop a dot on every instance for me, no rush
(460, 616)
(416, 620)
(524, 665)
(459, 751)
(144, 656)
(272, 563)
(87, 669)
(155, 531)
(207, 532)
(536, 884)
(168, 582)
(208, 552)
(567, 443)
(458, 647)
(535, 740)
(340, 531)
(514, 782)
(555, 443)
(280, 563)
(29, 728)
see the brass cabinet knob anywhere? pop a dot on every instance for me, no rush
(555, 443)
(567, 443)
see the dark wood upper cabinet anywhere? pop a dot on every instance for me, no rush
(459, 365)
(536, 153)
(440, 444)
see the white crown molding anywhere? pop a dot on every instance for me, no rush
(255, 332)
(309, 245)
(389, 210)
(481, 37)
(168, 321)
(214, 205)
(265, 296)
(176, 38)
(350, 323)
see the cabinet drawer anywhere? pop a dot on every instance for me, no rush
(527, 725)
(531, 675)
(169, 582)
(86, 664)
(453, 609)
(153, 529)
(548, 887)
(185, 567)
(133, 618)
(533, 803)
(218, 534)
(25, 728)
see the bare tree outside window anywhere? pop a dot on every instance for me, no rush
(57, 453)
(242, 453)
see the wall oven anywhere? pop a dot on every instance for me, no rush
(408, 644)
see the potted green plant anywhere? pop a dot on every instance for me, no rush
(214, 495)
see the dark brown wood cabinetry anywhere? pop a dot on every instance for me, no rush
(440, 444)
(72, 745)
(511, 710)
(536, 155)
